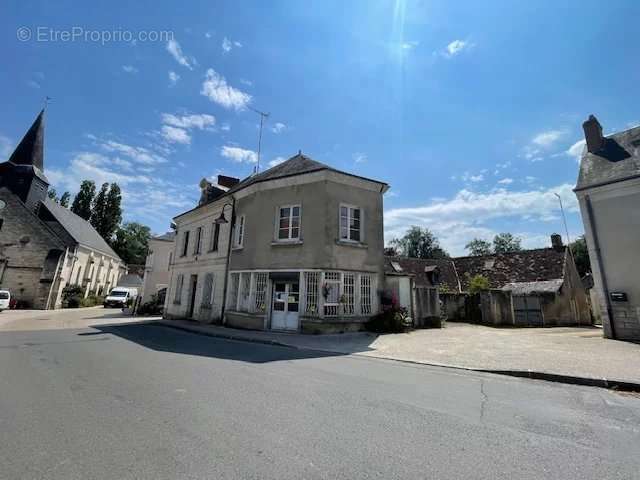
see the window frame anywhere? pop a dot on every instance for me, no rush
(349, 208)
(239, 231)
(197, 246)
(185, 244)
(215, 237)
(289, 228)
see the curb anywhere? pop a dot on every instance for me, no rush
(610, 384)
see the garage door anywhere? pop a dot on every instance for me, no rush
(526, 311)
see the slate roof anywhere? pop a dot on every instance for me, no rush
(619, 160)
(76, 228)
(297, 165)
(538, 265)
(30, 150)
(527, 288)
(417, 268)
(165, 237)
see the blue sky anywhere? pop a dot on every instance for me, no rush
(471, 111)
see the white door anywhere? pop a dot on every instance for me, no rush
(286, 300)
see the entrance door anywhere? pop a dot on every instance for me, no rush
(527, 311)
(192, 294)
(284, 312)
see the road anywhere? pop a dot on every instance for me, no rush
(146, 401)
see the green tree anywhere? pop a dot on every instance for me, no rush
(64, 199)
(131, 242)
(505, 243)
(478, 247)
(98, 209)
(53, 195)
(82, 202)
(478, 283)
(106, 213)
(581, 255)
(419, 243)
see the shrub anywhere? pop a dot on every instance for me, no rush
(393, 319)
(72, 296)
(152, 307)
(91, 301)
(478, 283)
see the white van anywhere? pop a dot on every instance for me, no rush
(119, 297)
(5, 299)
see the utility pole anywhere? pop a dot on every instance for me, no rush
(263, 116)
(566, 229)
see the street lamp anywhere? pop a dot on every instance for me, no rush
(221, 220)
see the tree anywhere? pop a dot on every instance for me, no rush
(131, 242)
(82, 202)
(64, 199)
(113, 214)
(581, 255)
(52, 194)
(505, 243)
(478, 283)
(419, 243)
(478, 247)
(98, 210)
(390, 252)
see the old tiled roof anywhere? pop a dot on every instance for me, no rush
(527, 288)
(525, 266)
(619, 160)
(77, 228)
(416, 268)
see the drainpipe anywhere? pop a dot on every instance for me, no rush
(226, 270)
(596, 247)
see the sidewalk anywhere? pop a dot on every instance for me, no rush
(569, 355)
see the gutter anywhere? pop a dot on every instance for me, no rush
(226, 270)
(596, 246)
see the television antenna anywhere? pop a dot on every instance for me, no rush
(263, 116)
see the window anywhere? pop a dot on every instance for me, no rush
(289, 222)
(198, 242)
(365, 294)
(311, 284)
(261, 292)
(170, 261)
(350, 223)
(331, 293)
(215, 237)
(208, 291)
(179, 283)
(239, 236)
(185, 243)
(348, 298)
(245, 290)
(233, 291)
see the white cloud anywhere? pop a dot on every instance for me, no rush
(173, 47)
(456, 47)
(530, 179)
(506, 181)
(137, 154)
(239, 155)
(246, 82)
(359, 157)
(278, 127)
(175, 135)
(5, 147)
(276, 161)
(457, 220)
(173, 77)
(468, 177)
(129, 69)
(200, 121)
(576, 149)
(226, 45)
(225, 127)
(207, 35)
(215, 88)
(410, 45)
(548, 139)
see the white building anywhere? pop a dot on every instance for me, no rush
(156, 268)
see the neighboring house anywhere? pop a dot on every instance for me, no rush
(156, 268)
(298, 247)
(608, 192)
(539, 287)
(43, 246)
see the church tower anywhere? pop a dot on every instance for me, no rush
(23, 173)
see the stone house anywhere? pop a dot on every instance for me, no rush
(608, 192)
(298, 247)
(44, 246)
(539, 287)
(156, 268)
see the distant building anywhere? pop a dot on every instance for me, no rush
(297, 247)
(156, 268)
(539, 287)
(608, 191)
(44, 246)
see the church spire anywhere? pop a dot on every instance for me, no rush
(30, 150)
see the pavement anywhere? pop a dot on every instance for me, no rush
(569, 355)
(140, 400)
(11, 320)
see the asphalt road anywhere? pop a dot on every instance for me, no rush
(147, 401)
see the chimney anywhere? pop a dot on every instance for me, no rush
(227, 182)
(593, 134)
(556, 242)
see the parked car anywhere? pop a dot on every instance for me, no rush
(5, 300)
(120, 296)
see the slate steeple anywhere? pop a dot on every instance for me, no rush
(30, 150)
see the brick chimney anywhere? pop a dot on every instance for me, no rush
(227, 182)
(593, 134)
(556, 242)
